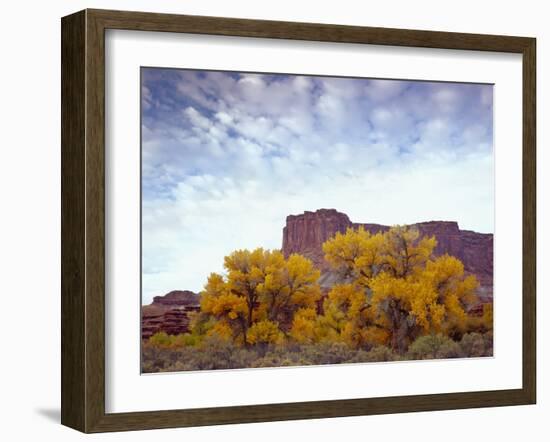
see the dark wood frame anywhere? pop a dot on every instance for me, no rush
(83, 218)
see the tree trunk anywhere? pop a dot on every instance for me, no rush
(399, 327)
(244, 329)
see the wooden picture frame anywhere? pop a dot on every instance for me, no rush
(83, 220)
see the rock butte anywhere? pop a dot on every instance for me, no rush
(168, 313)
(305, 234)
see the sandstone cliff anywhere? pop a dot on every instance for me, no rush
(168, 313)
(306, 233)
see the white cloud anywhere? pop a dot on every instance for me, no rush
(383, 90)
(196, 119)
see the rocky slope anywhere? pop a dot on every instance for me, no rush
(168, 313)
(306, 233)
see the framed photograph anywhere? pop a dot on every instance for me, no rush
(267, 220)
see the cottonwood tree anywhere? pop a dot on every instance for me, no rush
(395, 289)
(255, 302)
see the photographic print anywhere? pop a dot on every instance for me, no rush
(295, 220)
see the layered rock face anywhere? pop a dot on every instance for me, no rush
(306, 233)
(177, 298)
(169, 313)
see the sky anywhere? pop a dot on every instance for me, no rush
(227, 156)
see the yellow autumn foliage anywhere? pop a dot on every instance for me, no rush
(356, 254)
(260, 292)
(265, 332)
(392, 290)
(397, 291)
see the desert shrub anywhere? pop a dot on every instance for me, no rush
(182, 366)
(147, 366)
(150, 362)
(280, 359)
(156, 359)
(218, 353)
(269, 360)
(281, 356)
(214, 352)
(434, 347)
(211, 354)
(477, 344)
(488, 339)
(188, 339)
(380, 353)
(164, 340)
(311, 354)
(473, 345)
(359, 356)
(327, 353)
(160, 339)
